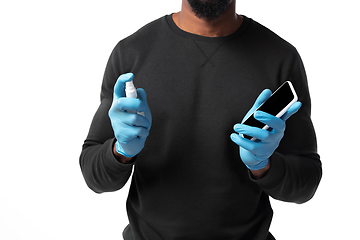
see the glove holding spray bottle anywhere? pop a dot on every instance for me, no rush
(130, 116)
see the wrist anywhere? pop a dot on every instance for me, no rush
(261, 172)
(257, 164)
(121, 158)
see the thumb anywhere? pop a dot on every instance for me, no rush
(119, 88)
(141, 94)
(292, 110)
(264, 95)
(145, 107)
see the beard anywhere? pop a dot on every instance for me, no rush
(209, 9)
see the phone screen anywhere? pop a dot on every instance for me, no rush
(274, 105)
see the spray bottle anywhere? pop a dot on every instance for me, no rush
(130, 92)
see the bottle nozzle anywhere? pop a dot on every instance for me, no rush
(130, 90)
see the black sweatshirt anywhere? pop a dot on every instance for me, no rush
(189, 182)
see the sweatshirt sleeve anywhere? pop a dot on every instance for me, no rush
(295, 167)
(101, 170)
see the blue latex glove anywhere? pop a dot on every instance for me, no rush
(256, 154)
(130, 129)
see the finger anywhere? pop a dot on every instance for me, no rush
(119, 88)
(127, 104)
(258, 133)
(264, 95)
(275, 123)
(143, 133)
(128, 134)
(292, 110)
(243, 142)
(134, 119)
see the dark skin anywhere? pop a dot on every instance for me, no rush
(225, 25)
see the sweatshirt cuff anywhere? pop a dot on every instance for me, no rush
(274, 175)
(113, 162)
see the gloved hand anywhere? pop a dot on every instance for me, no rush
(130, 129)
(256, 154)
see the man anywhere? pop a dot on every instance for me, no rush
(198, 72)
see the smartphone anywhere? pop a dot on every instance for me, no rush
(278, 103)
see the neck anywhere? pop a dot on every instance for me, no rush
(226, 24)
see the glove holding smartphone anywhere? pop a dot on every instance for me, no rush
(130, 118)
(263, 126)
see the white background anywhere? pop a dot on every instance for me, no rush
(53, 55)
